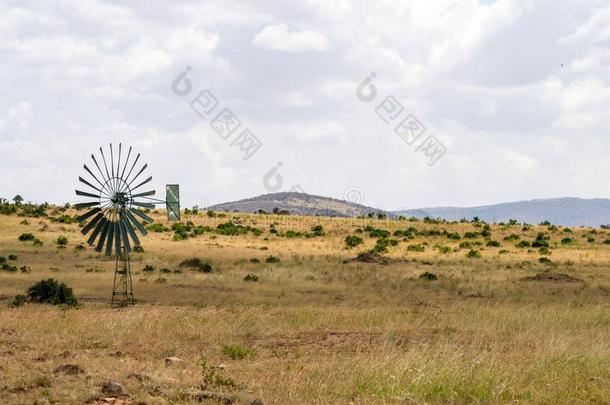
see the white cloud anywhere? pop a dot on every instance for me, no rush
(279, 38)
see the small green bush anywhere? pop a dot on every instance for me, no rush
(18, 301)
(251, 277)
(61, 241)
(454, 236)
(26, 237)
(493, 243)
(272, 259)
(148, 269)
(567, 241)
(428, 276)
(51, 292)
(352, 241)
(12, 257)
(416, 248)
(523, 244)
(473, 254)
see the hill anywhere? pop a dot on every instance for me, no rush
(559, 211)
(297, 204)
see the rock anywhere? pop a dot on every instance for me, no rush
(169, 361)
(113, 388)
(70, 369)
(201, 395)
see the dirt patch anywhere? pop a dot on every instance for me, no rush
(554, 277)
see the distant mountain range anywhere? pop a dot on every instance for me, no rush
(559, 211)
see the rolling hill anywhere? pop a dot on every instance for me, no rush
(559, 211)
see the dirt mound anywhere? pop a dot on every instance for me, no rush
(556, 277)
(370, 257)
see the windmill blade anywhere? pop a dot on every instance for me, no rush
(126, 243)
(144, 194)
(105, 165)
(141, 184)
(139, 173)
(98, 166)
(110, 239)
(88, 214)
(143, 205)
(91, 224)
(135, 222)
(89, 184)
(118, 165)
(112, 167)
(86, 205)
(117, 240)
(132, 166)
(92, 175)
(97, 230)
(129, 227)
(100, 243)
(84, 194)
(126, 162)
(142, 215)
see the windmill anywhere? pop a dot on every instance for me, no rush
(115, 213)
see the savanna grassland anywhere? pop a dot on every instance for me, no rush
(275, 308)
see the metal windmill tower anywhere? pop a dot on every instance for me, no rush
(115, 213)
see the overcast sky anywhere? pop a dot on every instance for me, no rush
(516, 92)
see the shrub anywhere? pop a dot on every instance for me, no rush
(379, 233)
(18, 301)
(205, 268)
(157, 228)
(381, 246)
(545, 260)
(37, 242)
(318, 230)
(25, 269)
(567, 241)
(2, 259)
(416, 248)
(545, 251)
(238, 352)
(473, 254)
(61, 241)
(428, 276)
(51, 292)
(493, 243)
(251, 277)
(523, 244)
(148, 269)
(25, 237)
(9, 268)
(255, 260)
(272, 259)
(454, 236)
(12, 257)
(512, 237)
(352, 241)
(591, 239)
(471, 235)
(80, 246)
(444, 249)
(165, 270)
(567, 230)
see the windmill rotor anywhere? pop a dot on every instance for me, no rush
(115, 200)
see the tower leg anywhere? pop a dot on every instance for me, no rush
(122, 291)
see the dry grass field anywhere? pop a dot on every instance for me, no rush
(497, 326)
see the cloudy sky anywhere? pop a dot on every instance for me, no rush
(515, 93)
